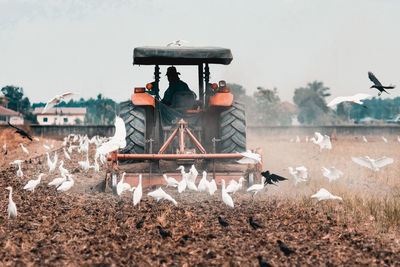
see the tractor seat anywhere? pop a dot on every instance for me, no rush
(183, 100)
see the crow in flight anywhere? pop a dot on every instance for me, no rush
(21, 132)
(271, 178)
(378, 85)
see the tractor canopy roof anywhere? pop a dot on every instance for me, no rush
(181, 55)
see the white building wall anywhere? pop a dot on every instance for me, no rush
(59, 119)
(16, 120)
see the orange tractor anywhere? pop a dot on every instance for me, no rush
(208, 131)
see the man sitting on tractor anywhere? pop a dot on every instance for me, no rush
(175, 85)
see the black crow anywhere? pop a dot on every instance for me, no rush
(262, 263)
(222, 222)
(21, 132)
(378, 85)
(164, 233)
(287, 251)
(271, 178)
(254, 224)
(140, 223)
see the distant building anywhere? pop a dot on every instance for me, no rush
(11, 116)
(60, 116)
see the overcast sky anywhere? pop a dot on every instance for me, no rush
(52, 46)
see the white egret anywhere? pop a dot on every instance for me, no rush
(52, 164)
(297, 139)
(56, 100)
(323, 141)
(384, 139)
(31, 185)
(331, 173)
(117, 141)
(12, 208)
(177, 43)
(226, 198)
(96, 166)
(19, 171)
(249, 158)
(46, 147)
(57, 181)
(170, 181)
(203, 184)
(299, 174)
(183, 183)
(373, 164)
(398, 139)
(192, 176)
(122, 186)
(5, 147)
(255, 188)
(85, 165)
(365, 139)
(159, 194)
(212, 187)
(66, 185)
(137, 194)
(62, 170)
(235, 186)
(355, 99)
(66, 155)
(24, 148)
(324, 194)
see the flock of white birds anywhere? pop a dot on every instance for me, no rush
(80, 144)
(323, 141)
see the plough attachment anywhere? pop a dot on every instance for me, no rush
(153, 166)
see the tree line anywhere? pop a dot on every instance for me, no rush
(263, 107)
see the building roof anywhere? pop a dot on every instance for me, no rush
(290, 107)
(63, 110)
(8, 112)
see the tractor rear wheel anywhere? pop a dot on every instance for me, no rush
(135, 124)
(233, 129)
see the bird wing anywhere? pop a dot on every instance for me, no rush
(49, 104)
(337, 100)
(277, 178)
(359, 97)
(65, 95)
(373, 79)
(362, 161)
(383, 162)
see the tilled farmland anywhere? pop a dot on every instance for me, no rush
(86, 226)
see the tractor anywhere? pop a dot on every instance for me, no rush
(207, 129)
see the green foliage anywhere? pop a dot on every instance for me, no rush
(237, 90)
(312, 104)
(17, 101)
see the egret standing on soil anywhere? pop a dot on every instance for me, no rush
(137, 194)
(19, 171)
(31, 185)
(226, 198)
(24, 149)
(67, 185)
(12, 208)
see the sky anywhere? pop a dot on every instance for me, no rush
(53, 46)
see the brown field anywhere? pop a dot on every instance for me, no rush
(88, 227)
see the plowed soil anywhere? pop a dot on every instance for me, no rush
(87, 227)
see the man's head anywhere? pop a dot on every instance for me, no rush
(172, 74)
